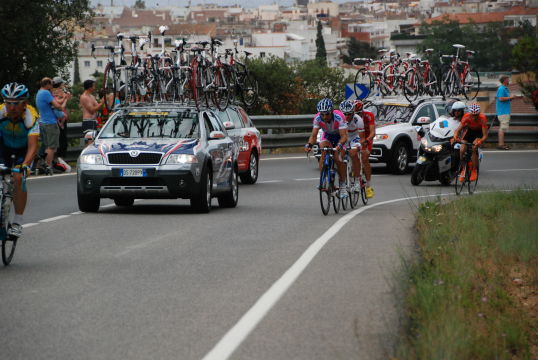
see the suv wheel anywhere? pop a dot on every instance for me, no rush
(230, 199)
(400, 158)
(88, 203)
(201, 202)
(251, 175)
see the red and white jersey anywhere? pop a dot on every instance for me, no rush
(368, 119)
(355, 126)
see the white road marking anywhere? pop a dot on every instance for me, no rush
(29, 225)
(239, 332)
(270, 181)
(506, 170)
(54, 218)
(77, 213)
(283, 158)
(50, 177)
(510, 151)
(307, 179)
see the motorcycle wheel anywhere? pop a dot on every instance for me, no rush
(445, 178)
(418, 174)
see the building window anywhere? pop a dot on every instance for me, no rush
(99, 63)
(87, 63)
(262, 54)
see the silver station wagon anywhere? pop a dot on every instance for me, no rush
(159, 152)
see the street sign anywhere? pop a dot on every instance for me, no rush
(361, 89)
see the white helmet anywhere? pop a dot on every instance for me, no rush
(458, 105)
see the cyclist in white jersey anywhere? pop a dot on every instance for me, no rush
(355, 136)
(334, 135)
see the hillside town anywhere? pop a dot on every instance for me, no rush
(290, 32)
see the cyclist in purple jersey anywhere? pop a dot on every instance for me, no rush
(334, 135)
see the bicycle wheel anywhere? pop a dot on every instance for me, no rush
(221, 95)
(471, 85)
(249, 90)
(431, 86)
(324, 191)
(411, 85)
(109, 87)
(195, 85)
(450, 79)
(389, 80)
(473, 184)
(364, 198)
(363, 77)
(8, 243)
(335, 197)
(459, 182)
(353, 195)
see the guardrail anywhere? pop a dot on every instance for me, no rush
(293, 131)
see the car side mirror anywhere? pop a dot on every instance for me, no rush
(215, 135)
(90, 135)
(424, 120)
(228, 125)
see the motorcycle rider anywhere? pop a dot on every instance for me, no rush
(458, 110)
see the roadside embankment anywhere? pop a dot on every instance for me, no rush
(473, 293)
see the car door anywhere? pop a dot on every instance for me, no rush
(222, 156)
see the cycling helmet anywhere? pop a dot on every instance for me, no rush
(325, 105)
(458, 105)
(347, 106)
(14, 91)
(358, 105)
(474, 109)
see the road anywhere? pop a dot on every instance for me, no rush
(270, 279)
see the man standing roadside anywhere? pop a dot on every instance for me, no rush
(48, 122)
(502, 106)
(89, 106)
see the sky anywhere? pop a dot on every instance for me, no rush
(166, 3)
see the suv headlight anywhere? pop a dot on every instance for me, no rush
(380, 137)
(91, 159)
(181, 159)
(424, 143)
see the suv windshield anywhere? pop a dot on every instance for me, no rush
(170, 124)
(390, 112)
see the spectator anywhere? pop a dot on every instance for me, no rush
(60, 92)
(502, 106)
(89, 106)
(48, 122)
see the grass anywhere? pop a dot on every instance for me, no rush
(474, 292)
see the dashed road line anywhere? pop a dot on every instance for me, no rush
(25, 226)
(54, 218)
(506, 170)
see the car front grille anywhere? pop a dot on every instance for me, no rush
(124, 158)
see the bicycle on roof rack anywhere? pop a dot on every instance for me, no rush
(458, 78)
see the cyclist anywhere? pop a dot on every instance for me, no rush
(355, 135)
(334, 135)
(475, 131)
(369, 133)
(19, 134)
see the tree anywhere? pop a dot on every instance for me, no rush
(38, 38)
(140, 4)
(321, 53)
(76, 75)
(357, 49)
(525, 60)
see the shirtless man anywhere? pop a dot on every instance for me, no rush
(89, 106)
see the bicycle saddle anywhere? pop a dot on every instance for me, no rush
(203, 43)
(216, 42)
(120, 36)
(133, 38)
(459, 46)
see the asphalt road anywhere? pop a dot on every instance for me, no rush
(270, 279)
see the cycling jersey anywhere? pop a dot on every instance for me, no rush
(354, 127)
(337, 123)
(368, 119)
(14, 135)
(478, 124)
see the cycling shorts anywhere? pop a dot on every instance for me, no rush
(471, 135)
(12, 156)
(332, 138)
(355, 142)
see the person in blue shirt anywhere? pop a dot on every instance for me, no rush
(502, 106)
(19, 132)
(48, 120)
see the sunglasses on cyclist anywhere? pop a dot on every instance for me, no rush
(12, 103)
(325, 113)
(349, 113)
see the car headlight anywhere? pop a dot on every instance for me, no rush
(380, 137)
(91, 159)
(181, 159)
(424, 142)
(437, 148)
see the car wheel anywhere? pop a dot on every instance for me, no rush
(230, 199)
(201, 202)
(88, 203)
(400, 158)
(124, 201)
(251, 176)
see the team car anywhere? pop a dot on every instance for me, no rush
(160, 152)
(248, 140)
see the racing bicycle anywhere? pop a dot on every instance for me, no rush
(465, 168)
(350, 176)
(7, 188)
(328, 192)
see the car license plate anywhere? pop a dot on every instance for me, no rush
(132, 172)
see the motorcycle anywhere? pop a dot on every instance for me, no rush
(437, 159)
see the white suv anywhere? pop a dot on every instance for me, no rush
(396, 142)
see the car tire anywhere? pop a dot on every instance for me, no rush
(88, 203)
(418, 175)
(251, 176)
(399, 158)
(230, 198)
(124, 202)
(201, 202)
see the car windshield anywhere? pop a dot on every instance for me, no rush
(169, 124)
(390, 112)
